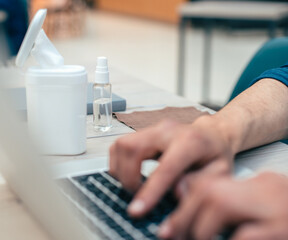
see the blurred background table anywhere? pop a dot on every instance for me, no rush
(209, 12)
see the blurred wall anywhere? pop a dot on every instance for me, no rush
(65, 18)
(165, 10)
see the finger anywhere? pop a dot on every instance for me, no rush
(180, 156)
(224, 205)
(217, 167)
(128, 165)
(195, 205)
(179, 222)
(172, 165)
(212, 216)
(257, 232)
(128, 152)
(209, 222)
(184, 183)
(113, 161)
(181, 188)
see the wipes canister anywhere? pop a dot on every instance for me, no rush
(56, 95)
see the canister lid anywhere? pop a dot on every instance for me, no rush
(30, 37)
(67, 75)
(65, 71)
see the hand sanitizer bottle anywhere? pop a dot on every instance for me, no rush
(102, 103)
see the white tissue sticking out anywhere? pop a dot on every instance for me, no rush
(45, 53)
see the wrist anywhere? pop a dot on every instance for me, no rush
(235, 127)
(223, 130)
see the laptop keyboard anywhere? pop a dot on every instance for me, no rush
(102, 203)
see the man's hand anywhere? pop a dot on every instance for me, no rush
(209, 204)
(182, 147)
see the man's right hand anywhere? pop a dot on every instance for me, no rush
(182, 147)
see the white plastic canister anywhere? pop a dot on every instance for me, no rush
(56, 94)
(56, 108)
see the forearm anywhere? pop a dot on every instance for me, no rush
(257, 116)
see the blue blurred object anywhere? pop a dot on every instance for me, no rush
(17, 22)
(272, 54)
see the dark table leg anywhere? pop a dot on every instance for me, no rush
(207, 62)
(181, 57)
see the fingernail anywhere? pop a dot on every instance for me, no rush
(165, 230)
(136, 207)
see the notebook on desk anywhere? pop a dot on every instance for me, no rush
(18, 98)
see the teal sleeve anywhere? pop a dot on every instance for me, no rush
(280, 74)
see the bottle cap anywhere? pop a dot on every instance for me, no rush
(102, 72)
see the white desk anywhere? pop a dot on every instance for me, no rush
(16, 223)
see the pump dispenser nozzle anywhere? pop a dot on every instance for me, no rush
(102, 64)
(102, 72)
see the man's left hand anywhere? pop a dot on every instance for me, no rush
(210, 203)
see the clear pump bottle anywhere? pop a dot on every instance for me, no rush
(102, 103)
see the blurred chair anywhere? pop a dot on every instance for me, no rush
(272, 54)
(65, 18)
(271, 14)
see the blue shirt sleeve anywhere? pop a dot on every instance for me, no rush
(280, 74)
